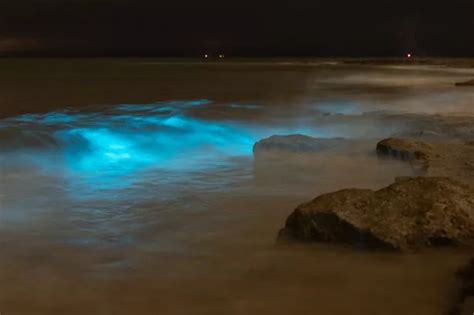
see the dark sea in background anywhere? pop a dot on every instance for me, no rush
(128, 186)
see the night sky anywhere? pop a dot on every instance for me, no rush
(237, 28)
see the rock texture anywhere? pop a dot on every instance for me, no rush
(450, 158)
(465, 300)
(409, 214)
(405, 149)
(417, 152)
(296, 144)
(465, 83)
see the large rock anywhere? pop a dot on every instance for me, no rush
(411, 213)
(449, 158)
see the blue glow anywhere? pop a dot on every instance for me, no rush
(123, 142)
(175, 121)
(108, 147)
(200, 102)
(162, 106)
(135, 107)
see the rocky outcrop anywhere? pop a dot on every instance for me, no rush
(450, 158)
(296, 144)
(464, 304)
(407, 150)
(465, 83)
(411, 213)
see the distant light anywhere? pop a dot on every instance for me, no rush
(206, 56)
(408, 55)
(221, 56)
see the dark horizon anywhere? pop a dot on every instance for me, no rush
(302, 28)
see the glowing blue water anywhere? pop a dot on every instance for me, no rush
(109, 146)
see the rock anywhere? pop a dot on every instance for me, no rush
(406, 149)
(297, 160)
(413, 212)
(465, 83)
(464, 303)
(448, 158)
(293, 155)
(296, 144)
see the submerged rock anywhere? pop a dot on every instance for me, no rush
(449, 158)
(405, 149)
(411, 213)
(465, 83)
(464, 304)
(296, 144)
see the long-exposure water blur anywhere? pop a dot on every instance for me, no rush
(130, 186)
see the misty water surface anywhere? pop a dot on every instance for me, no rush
(130, 186)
